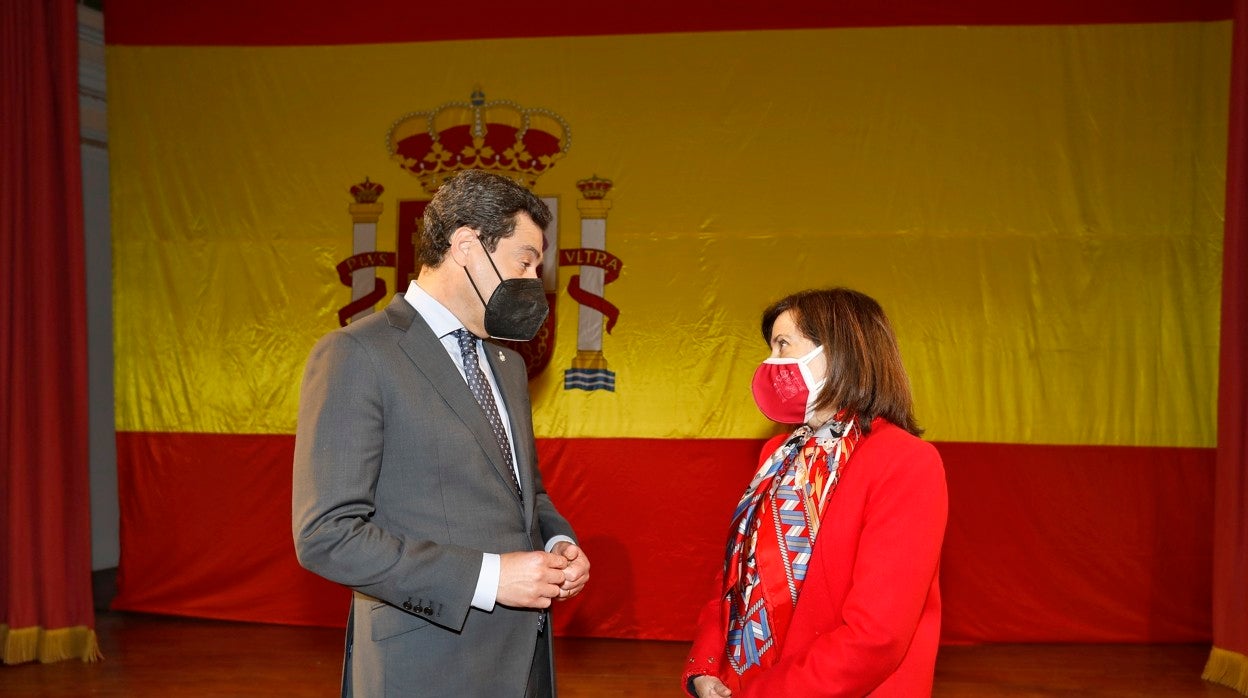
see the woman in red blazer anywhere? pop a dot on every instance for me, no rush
(830, 578)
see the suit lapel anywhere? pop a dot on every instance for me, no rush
(426, 351)
(513, 384)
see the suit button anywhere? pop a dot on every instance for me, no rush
(407, 605)
(428, 611)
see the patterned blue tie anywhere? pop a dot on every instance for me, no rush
(485, 397)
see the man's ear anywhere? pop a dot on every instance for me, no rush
(462, 242)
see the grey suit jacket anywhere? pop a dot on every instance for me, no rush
(399, 486)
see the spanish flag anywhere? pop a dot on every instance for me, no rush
(1034, 192)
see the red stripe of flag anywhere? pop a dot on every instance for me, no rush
(1044, 544)
(280, 23)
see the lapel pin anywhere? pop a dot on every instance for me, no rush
(501, 356)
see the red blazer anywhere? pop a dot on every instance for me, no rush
(868, 618)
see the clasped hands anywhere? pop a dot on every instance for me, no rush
(535, 579)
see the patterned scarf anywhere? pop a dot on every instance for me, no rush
(772, 536)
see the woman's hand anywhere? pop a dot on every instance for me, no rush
(710, 687)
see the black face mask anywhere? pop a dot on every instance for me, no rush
(516, 309)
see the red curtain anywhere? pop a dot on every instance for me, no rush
(1228, 661)
(45, 544)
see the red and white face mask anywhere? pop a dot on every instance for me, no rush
(785, 390)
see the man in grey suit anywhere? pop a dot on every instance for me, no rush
(415, 471)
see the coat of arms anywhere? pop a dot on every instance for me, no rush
(513, 141)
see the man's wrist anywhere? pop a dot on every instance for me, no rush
(550, 544)
(486, 593)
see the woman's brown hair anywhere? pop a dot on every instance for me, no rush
(865, 373)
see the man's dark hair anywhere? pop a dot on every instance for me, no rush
(865, 374)
(486, 202)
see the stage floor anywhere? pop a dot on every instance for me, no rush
(161, 656)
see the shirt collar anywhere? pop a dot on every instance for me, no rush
(441, 320)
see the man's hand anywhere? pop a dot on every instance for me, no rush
(710, 687)
(576, 573)
(530, 580)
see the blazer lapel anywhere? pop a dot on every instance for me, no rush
(513, 385)
(426, 351)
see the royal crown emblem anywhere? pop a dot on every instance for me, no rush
(594, 188)
(499, 136)
(367, 192)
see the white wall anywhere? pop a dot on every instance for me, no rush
(92, 104)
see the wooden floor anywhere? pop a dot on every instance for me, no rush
(158, 656)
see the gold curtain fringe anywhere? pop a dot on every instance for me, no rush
(1227, 668)
(30, 644)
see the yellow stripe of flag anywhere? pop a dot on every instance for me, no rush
(1038, 208)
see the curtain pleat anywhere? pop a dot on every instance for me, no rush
(1228, 661)
(45, 527)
